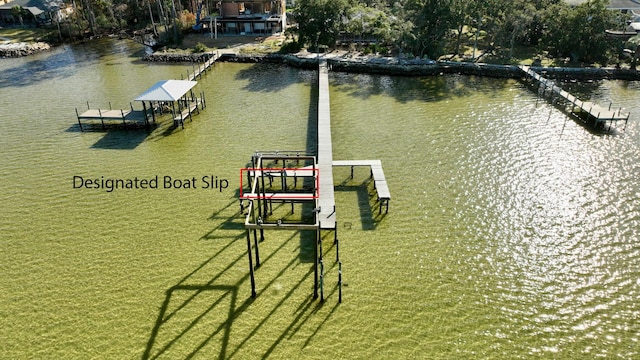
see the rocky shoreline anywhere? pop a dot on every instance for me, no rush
(405, 67)
(22, 49)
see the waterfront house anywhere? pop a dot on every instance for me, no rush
(250, 17)
(36, 12)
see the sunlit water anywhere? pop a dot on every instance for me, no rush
(512, 231)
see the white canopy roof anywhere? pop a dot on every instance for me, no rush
(167, 90)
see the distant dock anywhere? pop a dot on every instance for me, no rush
(590, 112)
(174, 96)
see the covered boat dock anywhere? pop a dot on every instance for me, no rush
(174, 96)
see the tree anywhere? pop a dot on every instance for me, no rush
(17, 12)
(432, 20)
(320, 21)
(579, 32)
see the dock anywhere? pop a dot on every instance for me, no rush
(159, 96)
(273, 176)
(326, 202)
(202, 68)
(586, 110)
(110, 116)
(377, 174)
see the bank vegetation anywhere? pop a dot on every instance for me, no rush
(493, 31)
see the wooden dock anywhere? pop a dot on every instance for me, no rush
(202, 68)
(187, 108)
(326, 201)
(377, 174)
(109, 116)
(261, 191)
(587, 110)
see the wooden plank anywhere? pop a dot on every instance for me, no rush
(104, 114)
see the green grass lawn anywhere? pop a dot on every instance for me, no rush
(23, 35)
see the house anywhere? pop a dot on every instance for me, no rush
(36, 12)
(250, 17)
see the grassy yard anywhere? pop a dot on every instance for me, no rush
(23, 35)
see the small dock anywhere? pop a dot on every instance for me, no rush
(587, 110)
(159, 97)
(202, 68)
(377, 174)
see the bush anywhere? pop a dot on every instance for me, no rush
(290, 47)
(199, 48)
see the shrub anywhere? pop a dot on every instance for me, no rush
(199, 48)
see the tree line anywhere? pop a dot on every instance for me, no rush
(433, 28)
(416, 28)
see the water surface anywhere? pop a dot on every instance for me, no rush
(512, 231)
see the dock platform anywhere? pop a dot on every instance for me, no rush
(590, 111)
(109, 116)
(377, 174)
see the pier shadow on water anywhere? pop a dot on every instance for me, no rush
(365, 206)
(406, 89)
(197, 314)
(268, 77)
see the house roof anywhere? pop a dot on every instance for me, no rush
(167, 90)
(34, 10)
(42, 5)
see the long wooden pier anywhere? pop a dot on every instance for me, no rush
(326, 201)
(261, 191)
(588, 110)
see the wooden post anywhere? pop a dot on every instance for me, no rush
(101, 119)
(255, 242)
(315, 265)
(321, 280)
(79, 122)
(339, 282)
(253, 281)
(264, 195)
(336, 242)
(625, 121)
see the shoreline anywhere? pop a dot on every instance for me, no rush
(347, 62)
(20, 49)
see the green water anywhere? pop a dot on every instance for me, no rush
(512, 231)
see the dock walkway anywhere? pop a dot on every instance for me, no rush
(326, 200)
(590, 110)
(202, 68)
